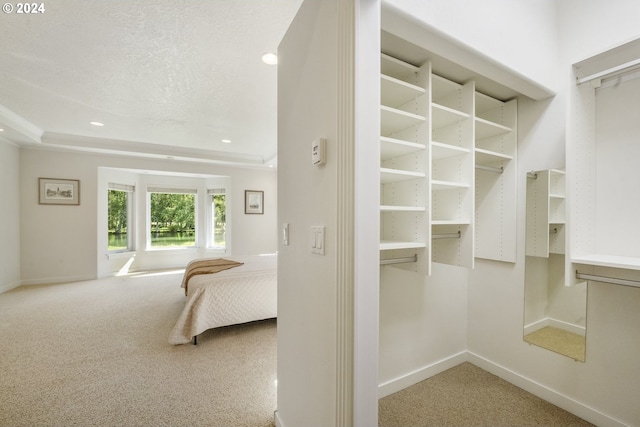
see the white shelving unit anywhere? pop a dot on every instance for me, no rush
(546, 213)
(495, 177)
(442, 145)
(603, 174)
(403, 160)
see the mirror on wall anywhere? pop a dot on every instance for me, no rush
(555, 315)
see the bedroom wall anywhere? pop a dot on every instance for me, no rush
(307, 288)
(10, 215)
(59, 243)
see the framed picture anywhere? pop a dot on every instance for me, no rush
(253, 202)
(55, 191)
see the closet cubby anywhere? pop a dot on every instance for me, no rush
(545, 213)
(434, 134)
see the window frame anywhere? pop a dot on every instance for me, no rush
(131, 223)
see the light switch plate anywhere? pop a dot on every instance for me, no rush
(319, 152)
(317, 239)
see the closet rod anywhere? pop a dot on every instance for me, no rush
(532, 175)
(490, 168)
(614, 280)
(399, 260)
(609, 71)
(446, 236)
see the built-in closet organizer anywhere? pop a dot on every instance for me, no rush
(448, 184)
(545, 213)
(602, 168)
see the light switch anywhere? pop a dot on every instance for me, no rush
(317, 239)
(285, 234)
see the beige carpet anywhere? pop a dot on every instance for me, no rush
(560, 341)
(468, 396)
(96, 354)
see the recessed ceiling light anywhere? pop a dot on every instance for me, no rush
(226, 141)
(96, 123)
(270, 58)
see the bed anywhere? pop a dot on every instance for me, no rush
(238, 293)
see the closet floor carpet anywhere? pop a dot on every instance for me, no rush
(469, 396)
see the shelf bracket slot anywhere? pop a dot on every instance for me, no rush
(614, 280)
(399, 260)
(447, 235)
(490, 168)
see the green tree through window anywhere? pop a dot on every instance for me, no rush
(172, 219)
(118, 219)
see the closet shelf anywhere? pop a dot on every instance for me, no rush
(440, 150)
(487, 129)
(392, 147)
(395, 93)
(391, 208)
(487, 157)
(444, 116)
(614, 261)
(557, 196)
(398, 69)
(388, 175)
(438, 185)
(393, 120)
(460, 222)
(387, 245)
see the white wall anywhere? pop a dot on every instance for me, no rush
(307, 286)
(60, 243)
(519, 34)
(596, 389)
(10, 216)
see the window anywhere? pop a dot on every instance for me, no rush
(172, 218)
(218, 215)
(120, 217)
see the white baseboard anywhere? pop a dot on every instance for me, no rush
(54, 280)
(8, 286)
(400, 383)
(568, 404)
(547, 321)
(277, 419)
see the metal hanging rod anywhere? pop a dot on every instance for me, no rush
(532, 175)
(490, 168)
(614, 280)
(447, 235)
(399, 260)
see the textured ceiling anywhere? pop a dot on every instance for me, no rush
(178, 76)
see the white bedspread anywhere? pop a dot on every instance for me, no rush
(238, 295)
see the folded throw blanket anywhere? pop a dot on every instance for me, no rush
(206, 266)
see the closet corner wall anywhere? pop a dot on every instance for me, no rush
(448, 170)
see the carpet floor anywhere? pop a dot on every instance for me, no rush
(469, 396)
(96, 354)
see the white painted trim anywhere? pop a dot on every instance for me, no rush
(9, 286)
(565, 402)
(547, 321)
(56, 280)
(581, 410)
(277, 419)
(404, 381)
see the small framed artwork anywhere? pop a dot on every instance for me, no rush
(253, 202)
(55, 191)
